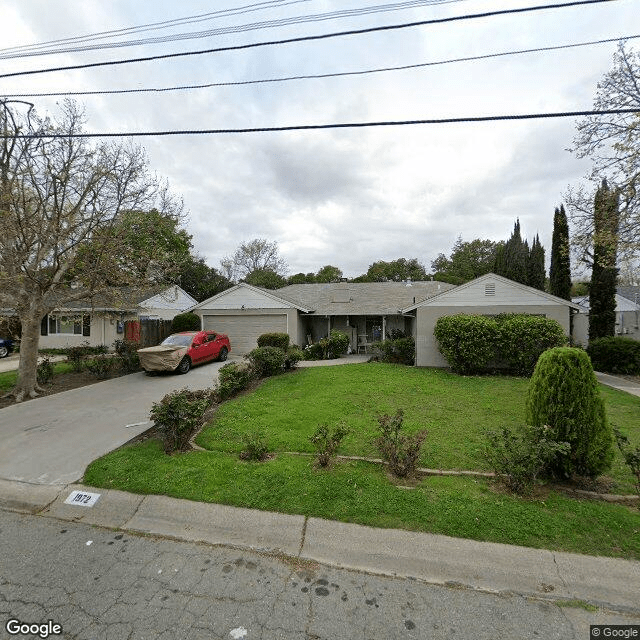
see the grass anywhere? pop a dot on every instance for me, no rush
(457, 411)
(8, 378)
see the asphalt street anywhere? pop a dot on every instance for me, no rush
(107, 584)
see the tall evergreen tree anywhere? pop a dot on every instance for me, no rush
(535, 265)
(512, 263)
(602, 294)
(560, 270)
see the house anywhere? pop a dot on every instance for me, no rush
(627, 312)
(100, 320)
(489, 295)
(365, 311)
(373, 311)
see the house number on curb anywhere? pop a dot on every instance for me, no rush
(82, 498)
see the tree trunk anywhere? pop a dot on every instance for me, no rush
(27, 384)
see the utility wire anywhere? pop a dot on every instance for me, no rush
(319, 75)
(312, 127)
(154, 26)
(265, 24)
(323, 36)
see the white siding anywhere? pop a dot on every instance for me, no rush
(168, 304)
(237, 297)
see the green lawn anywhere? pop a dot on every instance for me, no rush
(8, 378)
(457, 411)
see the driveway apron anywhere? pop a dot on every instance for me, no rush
(51, 440)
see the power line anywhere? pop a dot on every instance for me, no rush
(322, 75)
(265, 24)
(312, 127)
(323, 36)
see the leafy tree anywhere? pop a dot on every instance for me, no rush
(255, 255)
(612, 143)
(265, 278)
(394, 271)
(512, 262)
(301, 278)
(328, 273)
(200, 280)
(602, 293)
(58, 194)
(535, 265)
(560, 270)
(468, 260)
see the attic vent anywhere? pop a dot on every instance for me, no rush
(490, 289)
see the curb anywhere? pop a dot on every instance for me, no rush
(609, 583)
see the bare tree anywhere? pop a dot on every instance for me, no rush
(59, 193)
(612, 142)
(255, 255)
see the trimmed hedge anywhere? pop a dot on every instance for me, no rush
(400, 350)
(523, 338)
(615, 355)
(565, 397)
(280, 340)
(185, 322)
(233, 377)
(467, 342)
(267, 361)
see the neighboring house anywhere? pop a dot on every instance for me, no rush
(365, 311)
(101, 320)
(627, 313)
(487, 295)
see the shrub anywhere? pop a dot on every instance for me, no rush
(337, 344)
(294, 355)
(314, 351)
(522, 457)
(280, 340)
(185, 322)
(127, 355)
(615, 355)
(564, 394)
(233, 378)
(77, 355)
(178, 415)
(267, 361)
(326, 441)
(522, 338)
(398, 350)
(399, 450)
(630, 455)
(44, 371)
(255, 447)
(102, 367)
(467, 342)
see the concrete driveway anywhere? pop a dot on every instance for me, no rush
(51, 440)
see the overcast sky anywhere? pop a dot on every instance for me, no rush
(345, 197)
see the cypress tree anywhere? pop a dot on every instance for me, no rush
(602, 294)
(513, 261)
(560, 270)
(535, 265)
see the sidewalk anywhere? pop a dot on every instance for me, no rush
(12, 362)
(619, 383)
(608, 583)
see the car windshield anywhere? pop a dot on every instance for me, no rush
(179, 340)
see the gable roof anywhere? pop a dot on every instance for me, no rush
(630, 293)
(441, 298)
(266, 293)
(360, 298)
(622, 303)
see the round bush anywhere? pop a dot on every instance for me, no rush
(522, 338)
(467, 342)
(267, 361)
(615, 355)
(564, 395)
(338, 342)
(185, 322)
(280, 340)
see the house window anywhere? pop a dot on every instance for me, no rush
(77, 324)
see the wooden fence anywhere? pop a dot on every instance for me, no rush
(147, 332)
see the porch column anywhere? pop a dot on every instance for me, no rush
(384, 327)
(328, 325)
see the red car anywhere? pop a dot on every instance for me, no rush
(180, 351)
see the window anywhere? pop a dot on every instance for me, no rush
(76, 324)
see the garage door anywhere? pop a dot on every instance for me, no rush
(243, 331)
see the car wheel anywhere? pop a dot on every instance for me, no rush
(223, 354)
(4, 352)
(185, 365)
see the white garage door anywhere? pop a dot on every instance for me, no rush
(243, 331)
